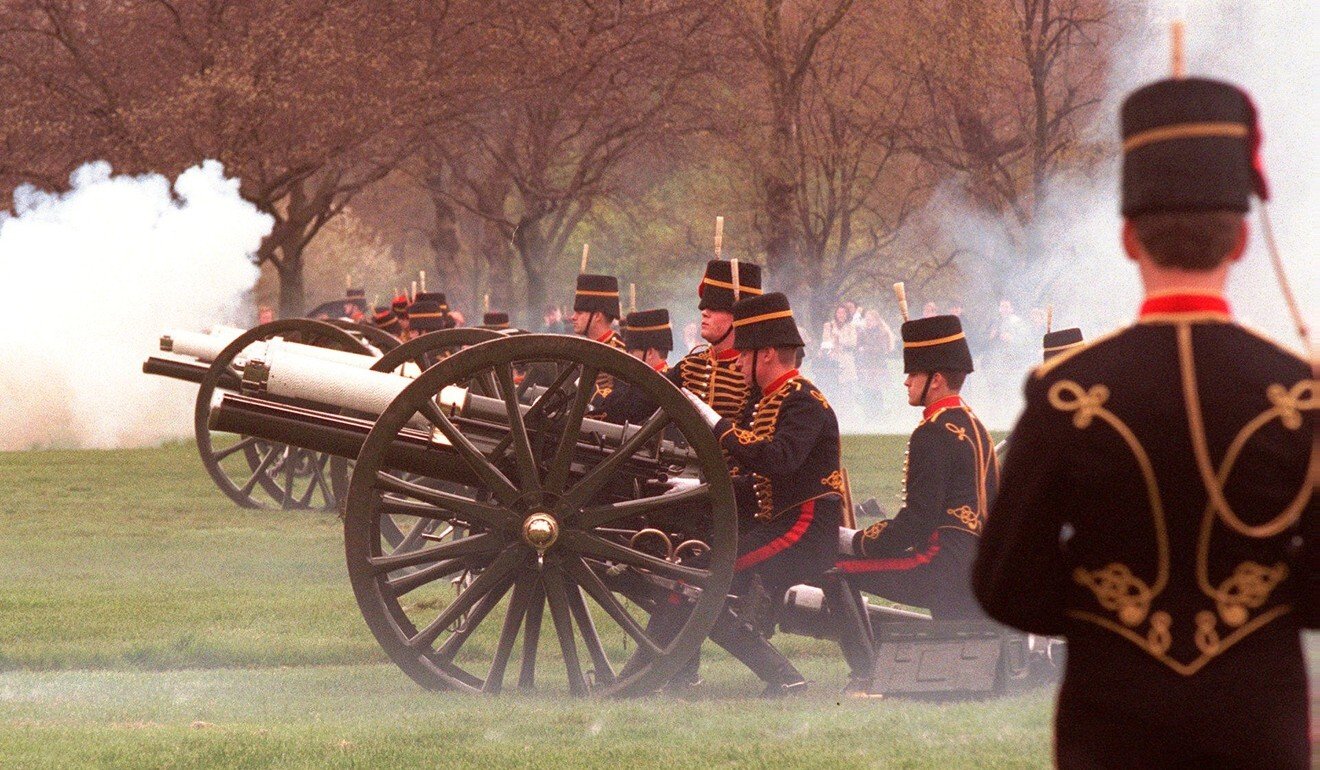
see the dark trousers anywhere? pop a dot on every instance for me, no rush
(937, 578)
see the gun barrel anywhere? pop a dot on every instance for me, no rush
(413, 451)
(287, 376)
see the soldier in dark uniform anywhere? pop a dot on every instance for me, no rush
(495, 319)
(648, 337)
(438, 297)
(786, 470)
(1061, 341)
(355, 304)
(427, 315)
(595, 309)
(711, 373)
(385, 320)
(1156, 505)
(923, 555)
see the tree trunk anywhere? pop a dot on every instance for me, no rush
(293, 300)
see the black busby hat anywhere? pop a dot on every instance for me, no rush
(644, 329)
(1190, 145)
(718, 288)
(765, 321)
(597, 294)
(400, 304)
(1058, 341)
(426, 315)
(355, 293)
(437, 297)
(495, 320)
(935, 344)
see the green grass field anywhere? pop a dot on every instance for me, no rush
(145, 621)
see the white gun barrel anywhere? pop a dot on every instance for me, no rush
(284, 372)
(199, 345)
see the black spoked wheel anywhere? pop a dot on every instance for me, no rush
(261, 474)
(551, 521)
(375, 336)
(410, 359)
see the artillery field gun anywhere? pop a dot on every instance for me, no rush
(477, 492)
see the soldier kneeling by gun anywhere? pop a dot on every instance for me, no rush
(785, 465)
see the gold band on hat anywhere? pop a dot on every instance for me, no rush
(1057, 348)
(929, 343)
(764, 317)
(1185, 131)
(729, 286)
(657, 328)
(589, 293)
(425, 315)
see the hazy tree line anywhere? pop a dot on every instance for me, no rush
(494, 137)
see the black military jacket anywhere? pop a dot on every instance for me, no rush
(627, 404)
(605, 382)
(716, 379)
(1155, 505)
(950, 475)
(787, 453)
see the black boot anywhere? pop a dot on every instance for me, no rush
(847, 612)
(757, 654)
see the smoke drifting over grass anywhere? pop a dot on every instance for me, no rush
(1262, 47)
(92, 277)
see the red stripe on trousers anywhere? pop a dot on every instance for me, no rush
(794, 534)
(893, 565)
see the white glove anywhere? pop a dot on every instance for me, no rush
(709, 415)
(846, 539)
(680, 484)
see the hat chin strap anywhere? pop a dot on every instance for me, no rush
(925, 389)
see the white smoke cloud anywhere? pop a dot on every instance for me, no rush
(93, 276)
(1262, 47)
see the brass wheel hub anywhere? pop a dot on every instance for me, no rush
(540, 530)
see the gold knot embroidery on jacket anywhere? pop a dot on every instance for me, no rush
(1068, 396)
(816, 394)
(956, 430)
(1118, 591)
(967, 516)
(1291, 402)
(834, 480)
(1247, 588)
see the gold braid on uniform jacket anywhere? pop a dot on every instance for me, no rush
(764, 420)
(717, 382)
(1127, 598)
(605, 382)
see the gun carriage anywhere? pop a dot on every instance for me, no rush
(482, 494)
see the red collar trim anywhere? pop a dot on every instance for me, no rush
(727, 355)
(1164, 303)
(780, 380)
(606, 337)
(948, 402)
(661, 367)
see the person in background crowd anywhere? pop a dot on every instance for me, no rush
(930, 309)
(265, 314)
(552, 320)
(875, 344)
(839, 342)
